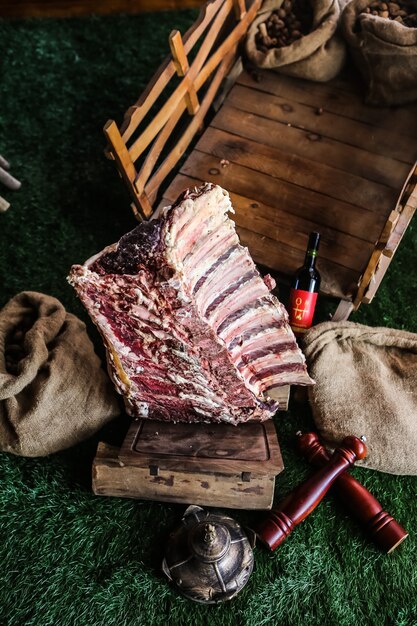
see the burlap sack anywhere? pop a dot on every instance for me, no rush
(385, 53)
(318, 56)
(53, 391)
(366, 384)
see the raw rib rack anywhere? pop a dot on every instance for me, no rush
(192, 331)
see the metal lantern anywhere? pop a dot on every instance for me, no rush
(209, 557)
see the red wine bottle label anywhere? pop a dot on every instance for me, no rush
(302, 305)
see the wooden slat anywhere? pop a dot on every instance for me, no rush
(158, 145)
(286, 196)
(237, 33)
(240, 9)
(337, 281)
(136, 113)
(160, 119)
(120, 152)
(389, 241)
(181, 65)
(381, 169)
(348, 131)
(182, 144)
(286, 228)
(207, 13)
(306, 173)
(344, 309)
(165, 133)
(329, 97)
(197, 75)
(210, 38)
(126, 167)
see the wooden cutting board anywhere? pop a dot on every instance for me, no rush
(205, 464)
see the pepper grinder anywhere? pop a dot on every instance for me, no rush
(383, 529)
(299, 503)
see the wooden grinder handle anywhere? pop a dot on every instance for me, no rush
(383, 528)
(300, 502)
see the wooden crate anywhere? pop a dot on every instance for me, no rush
(205, 464)
(299, 157)
(296, 156)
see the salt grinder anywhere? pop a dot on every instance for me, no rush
(381, 527)
(300, 502)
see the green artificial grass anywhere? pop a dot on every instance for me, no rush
(69, 558)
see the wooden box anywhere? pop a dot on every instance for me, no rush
(205, 464)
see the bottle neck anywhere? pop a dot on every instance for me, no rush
(310, 258)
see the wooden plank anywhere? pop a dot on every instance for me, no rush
(240, 9)
(220, 448)
(337, 281)
(210, 38)
(381, 169)
(75, 8)
(159, 120)
(306, 173)
(119, 151)
(237, 33)
(367, 295)
(109, 478)
(344, 309)
(197, 75)
(181, 65)
(380, 263)
(287, 228)
(282, 396)
(348, 131)
(136, 113)
(152, 186)
(158, 145)
(283, 220)
(329, 97)
(334, 246)
(389, 240)
(126, 168)
(290, 198)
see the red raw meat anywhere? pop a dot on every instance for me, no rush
(191, 329)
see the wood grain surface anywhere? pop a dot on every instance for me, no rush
(110, 478)
(73, 8)
(219, 448)
(296, 157)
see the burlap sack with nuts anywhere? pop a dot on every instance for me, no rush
(53, 391)
(318, 55)
(366, 384)
(384, 51)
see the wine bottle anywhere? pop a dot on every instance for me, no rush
(304, 289)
